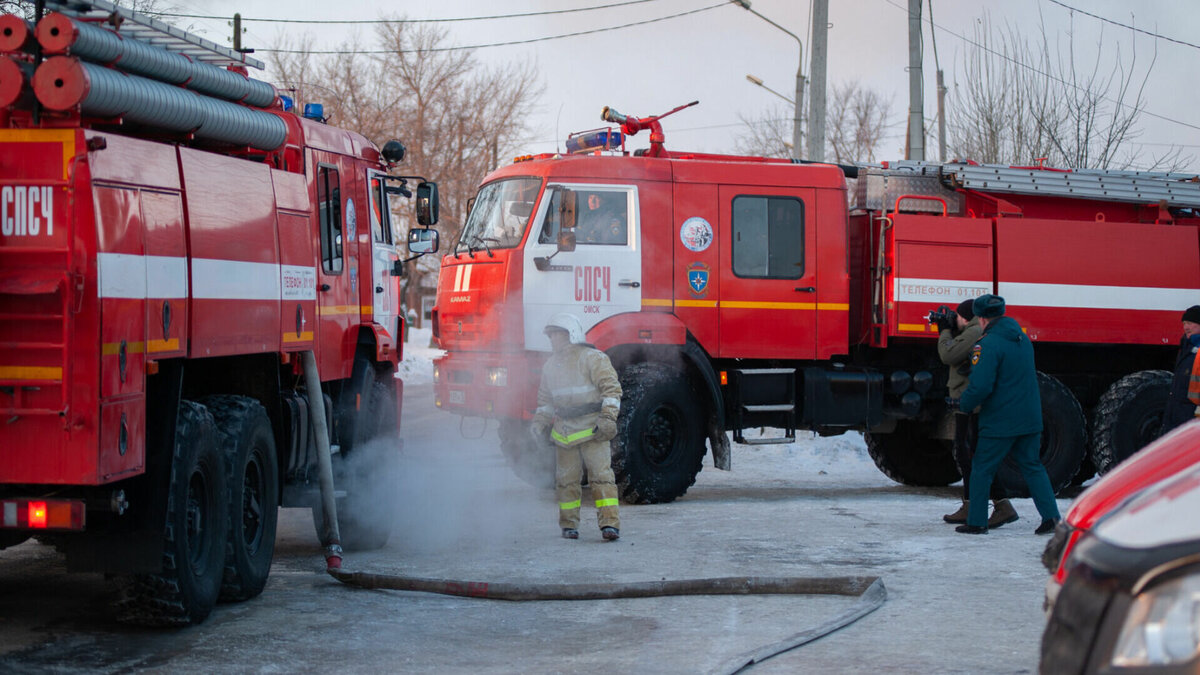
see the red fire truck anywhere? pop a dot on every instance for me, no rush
(174, 243)
(737, 293)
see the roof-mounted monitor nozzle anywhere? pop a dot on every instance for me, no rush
(630, 125)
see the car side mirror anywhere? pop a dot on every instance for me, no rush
(423, 240)
(427, 206)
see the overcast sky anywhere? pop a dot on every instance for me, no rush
(706, 55)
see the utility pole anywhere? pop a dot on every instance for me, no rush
(916, 92)
(816, 104)
(237, 32)
(941, 84)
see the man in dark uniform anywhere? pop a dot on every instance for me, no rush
(1179, 409)
(1004, 385)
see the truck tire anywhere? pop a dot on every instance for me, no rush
(1064, 439)
(368, 475)
(909, 457)
(530, 463)
(659, 445)
(246, 440)
(1128, 417)
(197, 522)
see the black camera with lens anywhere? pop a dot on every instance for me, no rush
(944, 317)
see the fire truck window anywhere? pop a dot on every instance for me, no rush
(500, 214)
(329, 205)
(603, 216)
(381, 230)
(768, 237)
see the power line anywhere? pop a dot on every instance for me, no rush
(1026, 66)
(399, 21)
(493, 44)
(1122, 25)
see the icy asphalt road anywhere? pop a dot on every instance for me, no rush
(956, 603)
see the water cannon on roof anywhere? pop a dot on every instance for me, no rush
(631, 125)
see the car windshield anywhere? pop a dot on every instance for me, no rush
(500, 214)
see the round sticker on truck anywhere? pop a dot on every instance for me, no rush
(696, 234)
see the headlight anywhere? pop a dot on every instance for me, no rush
(1162, 626)
(497, 377)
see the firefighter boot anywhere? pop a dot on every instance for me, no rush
(570, 533)
(1003, 513)
(959, 516)
(610, 533)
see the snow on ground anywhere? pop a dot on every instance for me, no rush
(417, 365)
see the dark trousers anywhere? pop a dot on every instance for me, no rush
(966, 432)
(990, 451)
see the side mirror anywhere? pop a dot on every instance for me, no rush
(427, 207)
(566, 240)
(566, 211)
(423, 240)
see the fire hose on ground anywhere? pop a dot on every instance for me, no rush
(869, 590)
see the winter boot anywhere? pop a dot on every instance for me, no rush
(970, 529)
(570, 533)
(610, 533)
(1047, 526)
(1003, 513)
(959, 516)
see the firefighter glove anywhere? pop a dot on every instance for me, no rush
(539, 432)
(606, 429)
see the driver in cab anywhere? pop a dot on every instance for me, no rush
(604, 220)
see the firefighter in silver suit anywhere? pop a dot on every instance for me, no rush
(578, 402)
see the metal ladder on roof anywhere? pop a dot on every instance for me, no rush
(1176, 189)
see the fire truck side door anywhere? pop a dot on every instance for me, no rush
(768, 272)
(385, 287)
(337, 292)
(601, 277)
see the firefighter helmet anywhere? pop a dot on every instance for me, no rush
(569, 323)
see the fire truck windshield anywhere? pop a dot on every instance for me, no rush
(500, 214)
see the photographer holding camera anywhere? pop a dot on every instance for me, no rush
(958, 332)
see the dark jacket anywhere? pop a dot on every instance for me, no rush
(1004, 382)
(1179, 409)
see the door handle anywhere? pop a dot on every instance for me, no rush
(631, 284)
(806, 289)
(379, 289)
(325, 288)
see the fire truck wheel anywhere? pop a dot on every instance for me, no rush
(1064, 439)
(246, 440)
(909, 457)
(530, 463)
(1128, 417)
(369, 475)
(659, 445)
(197, 521)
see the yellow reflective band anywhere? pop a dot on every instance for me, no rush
(567, 506)
(600, 503)
(573, 437)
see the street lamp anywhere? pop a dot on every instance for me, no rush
(759, 82)
(798, 101)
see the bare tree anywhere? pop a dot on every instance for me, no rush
(856, 122)
(767, 135)
(854, 126)
(456, 117)
(1019, 103)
